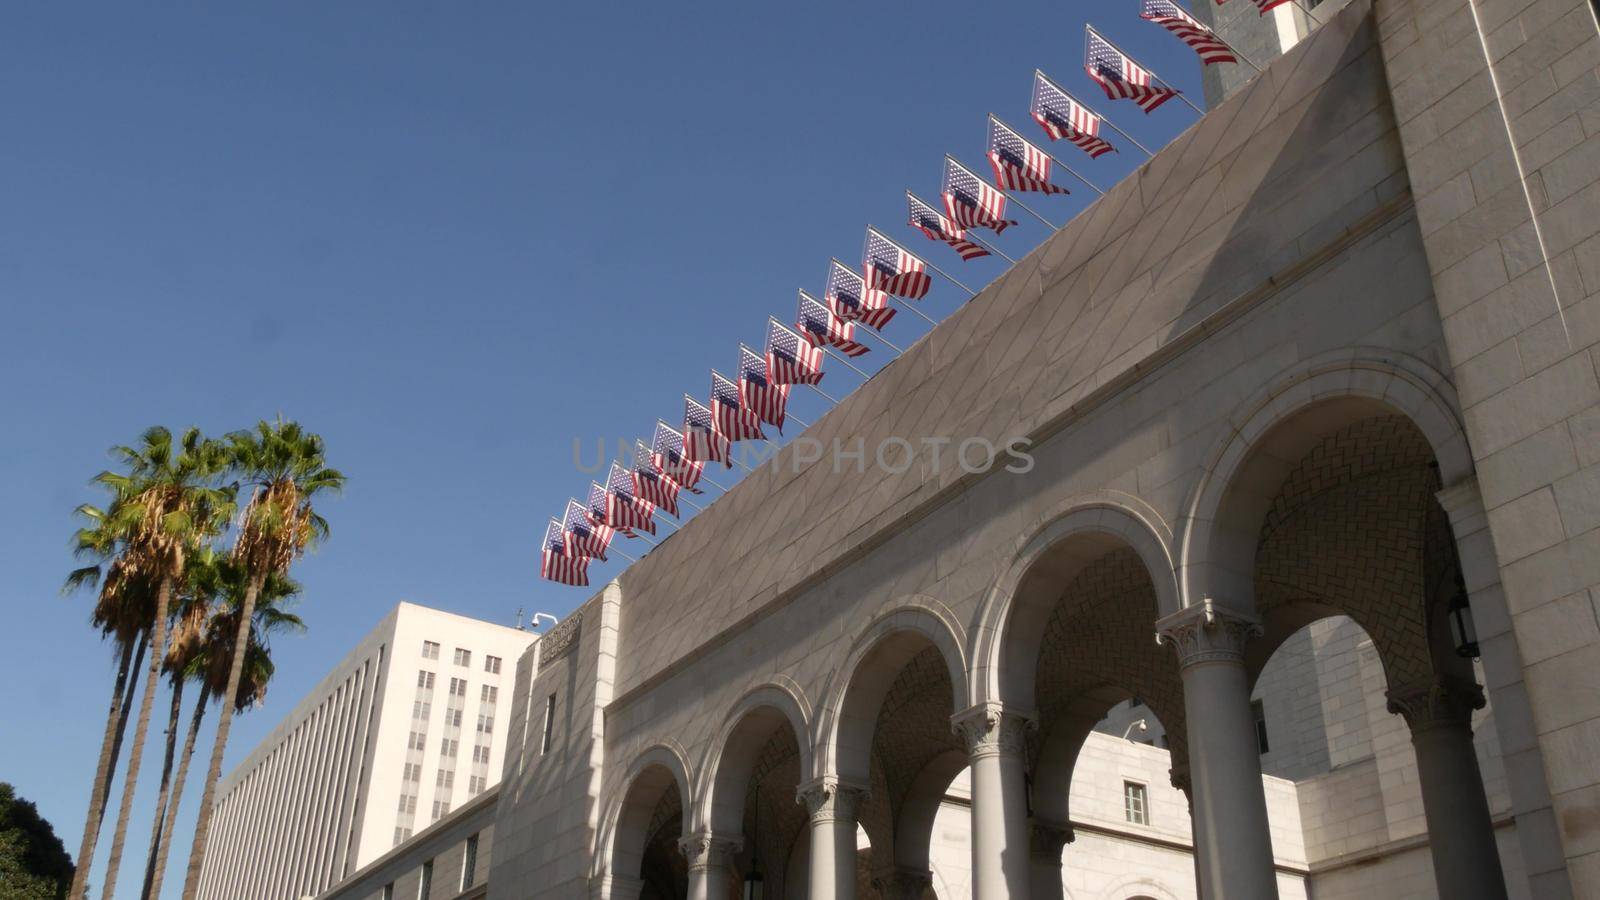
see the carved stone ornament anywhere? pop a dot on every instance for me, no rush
(1045, 839)
(1206, 633)
(1436, 702)
(990, 729)
(560, 640)
(902, 882)
(828, 799)
(706, 850)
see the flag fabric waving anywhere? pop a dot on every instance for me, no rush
(790, 358)
(1202, 40)
(762, 396)
(1063, 117)
(970, 202)
(851, 300)
(701, 440)
(652, 486)
(624, 510)
(886, 266)
(927, 220)
(583, 537)
(1121, 77)
(667, 454)
(1019, 165)
(557, 564)
(821, 327)
(733, 420)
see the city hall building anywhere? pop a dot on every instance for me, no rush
(1296, 598)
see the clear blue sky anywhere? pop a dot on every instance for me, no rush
(450, 238)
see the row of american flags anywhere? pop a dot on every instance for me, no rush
(858, 302)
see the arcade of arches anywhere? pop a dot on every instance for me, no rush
(1331, 513)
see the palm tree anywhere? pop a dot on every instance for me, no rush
(162, 507)
(286, 468)
(207, 655)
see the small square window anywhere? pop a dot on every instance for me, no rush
(1135, 803)
(491, 664)
(430, 650)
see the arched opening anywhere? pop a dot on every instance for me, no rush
(649, 825)
(752, 796)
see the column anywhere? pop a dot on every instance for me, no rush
(1045, 843)
(1233, 844)
(1179, 775)
(902, 882)
(1466, 862)
(994, 736)
(832, 806)
(710, 857)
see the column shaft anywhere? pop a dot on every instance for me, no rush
(1000, 840)
(832, 807)
(709, 857)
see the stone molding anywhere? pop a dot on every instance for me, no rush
(902, 882)
(1207, 633)
(828, 799)
(1045, 839)
(611, 886)
(992, 729)
(560, 640)
(705, 850)
(1440, 702)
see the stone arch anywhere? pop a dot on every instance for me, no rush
(1138, 887)
(776, 702)
(897, 634)
(1222, 519)
(657, 772)
(1070, 536)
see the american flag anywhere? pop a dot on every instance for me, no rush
(556, 564)
(1171, 16)
(1019, 165)
(1122, 78)
(851, 300)
(791, 359)
(701, 439)
(599, 511)
(820, 327)
(1063, 117)
(758, 394)
(927, 220)
(732, 418)
(666, 452)
(585, 538)
(650, 485)
(887, 267)
(970, 202)
(623, 509)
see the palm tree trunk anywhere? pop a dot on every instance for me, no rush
(160, 869)
(131, 783)
(106, 769)
(202, 826)
(174, 719)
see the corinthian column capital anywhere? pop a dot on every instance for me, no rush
(1045, 839)
(902, 882)
(1436, 702)
(1206, 633)
(827, 799)
(705, 850)
(992, 729)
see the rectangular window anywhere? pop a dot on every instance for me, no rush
(430, 650)
(388, 889)
(469, 863)
(490, 694)
(458, 687)
(408, 803)
(425, 886)
(463, 657)
(413, 772)
(1135, 805)
(486, 724)
(480, 754)
(476, 784)
(491, 664)
(424, 679)
(440, 807)
(549, 723)
(418, 741)
(1260, 714)
(448, 747)
(421, 709)
(452, 718)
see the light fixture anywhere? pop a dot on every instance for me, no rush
(1462, 628)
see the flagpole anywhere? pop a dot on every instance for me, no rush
(965, 234)
(824, 396)
(1039, 73)
(1092, 186)
(619, 553)
(713, 481)
(930, 265)
(1218, 38)
(963, 167)
(841, 358)
(990, 247)
(1089, 29)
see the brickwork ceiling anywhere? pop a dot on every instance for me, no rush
(770, 801)
(913, 729)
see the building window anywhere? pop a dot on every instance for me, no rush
(452, 718)
(413, 772)
(480, 754)
(1260, 714)
(388, 889)
(469, 863)
(491, 694)
(421, 709)
(401, 835)
(425, 886)
(486, 724)
(446, 779)
(458, 687)
(1135, 805)
(463, 657)
(491, 664)
(1135, 703)
(440, 807)
(430, 650)
(549, 723)
(476, 784)
(418, 741)
(425, 679)
(449, 747)
(408, 803)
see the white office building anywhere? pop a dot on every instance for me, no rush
(404, 729)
